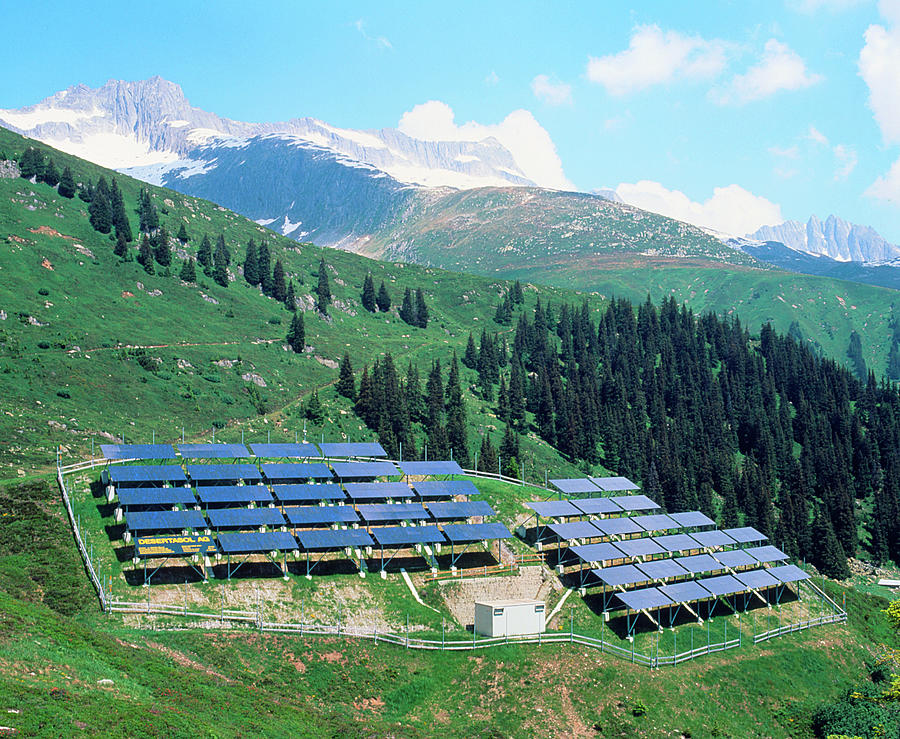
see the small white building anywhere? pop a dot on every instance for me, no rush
(509, 617)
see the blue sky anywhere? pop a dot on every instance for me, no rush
(728, 113)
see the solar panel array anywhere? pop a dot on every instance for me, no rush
(444, 488)
(150, 474)
(308, 493)
(131, 497)
(213, 451)
(285, 451)
(295, 471)
(230, 494)
(431, 468)
(137, 451)
(364, 470)
(223, 472)
(352, 449)
(244, 518)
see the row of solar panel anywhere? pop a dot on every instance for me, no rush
(626, 526)
(710, 587)
(286, 494)
(334, 539)
(616, 504)
(582, 485)
(223, 518)
(239, 451)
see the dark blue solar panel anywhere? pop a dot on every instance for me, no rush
(352, 449)
(712, 538)
(393, 512)
(603, 552)
(620, 575)
(431, 468)
(234, 518)
(234, 494)
(463, 533)
(458, 510)
(634, 502)
(297, 471)
(640, 547)
(363, 470)
(575, 530)
(691, 519)
(252, 542)
(137, 451)
(788, 573)
(676, 543)
(662, 569)
(645, 599)
(310, 515)
(378, 490)
(223, 472)
(618, 526)
(767, 553)
(699, 563)
(746, 535)
(722, 585)
(684, 592)
(213, 451)
(656, 522)
(155, 473)
(164, 520)
(392, 536)
(575, 485)
(614, 484)
(735, 558)
(334, 539)
(155, 496)
(756, 579)
(311, 493)
(593, 506)
(284, 451)
(553, 508)
(444, 488)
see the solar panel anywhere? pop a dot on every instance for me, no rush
(377, 490)
(153, 473)
(614, 484)
(603, 552)
(788, 573)
(722, 585)
(712, 538)
(393, 512)
(464, 533)
(553, 508)
(745, 535)
(756, 579)
(645, 599)
(684, 592)
(620, 575)
(767, 553)
(308, 493)
(593, 506)
(284, 451)
(334, 539)
(137, 451)
(662, 569)
(296, 471)
(444, 488)
(234, 494)
(164, 520)
(223, 472)
(431, 468)
(392, 536)
(640, 547)
(656, 522)
(618, 526)
(691, 519)
(735, 558)
(236, 518)
(575, 530)
(254, 542)
(352, 449)
(699, 563)
(458, 510)
(156, 496)
(213, 451)
(676, 543)
(575, 486)
(310, 515)
(363, 470)
(634, 502)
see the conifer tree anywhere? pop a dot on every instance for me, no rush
(323, 289)
(415, 402)
(100, 210)
(188, 271)
(296, 336)
(346, 384)
(407, 309)
(509, 449)
(50, 174)
(220, 263)
(503, 314)
(313, 409)
(204, 254)
(854, 353)
(121, 247)
(383, 299)
(145, 256)
(183, 234)
(518, 297)
(161, 251)
(222, 247)
(279, 288)
(368, 294)
(421, 312)
(264, 268)
(147, 215)
(119, 217)
(457, 436)
(828, 556)
(251, 266)
(290, 300)
(470, 357)
(365, 399)
(86, 192)
(31, 164)
(487, 455)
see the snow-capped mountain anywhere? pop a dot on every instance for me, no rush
(834, 238)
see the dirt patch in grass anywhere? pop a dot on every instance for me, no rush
(186, 661)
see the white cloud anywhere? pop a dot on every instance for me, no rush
(846, 161)
(492, 79)
(731, 209)
(790, 152)
(879, 61)
(525, 138)
(816, 136)
(781, 68)
(380, 41)
(654, 57)
(814, 6)
(550, 92)
(887, 187)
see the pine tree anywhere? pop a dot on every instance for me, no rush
(415, 402)
(313, 409)
(421, 312)
(290, 300)
(251, 266)
(264, 268)
(457, 436)
(220, 267)
(119, 217)
(100, 210)
(829, 558)
(509, 448)
(854, 353)
(183, 234)
(50, 174)
(296, 336)
(204, 254)
(368, 294)
(470, 358)
(188, 271)
(503, 314)
(346, 384)
(147, 215)
(279, 288)
(383, 299)
(487, 455)
(407, 309)
(121, 247)
(161, 251)
(31, 164)
(323, 289)
(86, 192)
(518, 297)
(145, 256)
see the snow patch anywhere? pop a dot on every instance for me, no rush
(113, 150)
(359, 137)
(40, 114)
(289, 227)
(265, 221)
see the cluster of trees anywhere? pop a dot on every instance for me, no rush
(512, 298)
(413, 310)
(259, 272)
(372, 301)
(33, 165)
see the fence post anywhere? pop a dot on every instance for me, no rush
(407, 631)
(571, 625)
